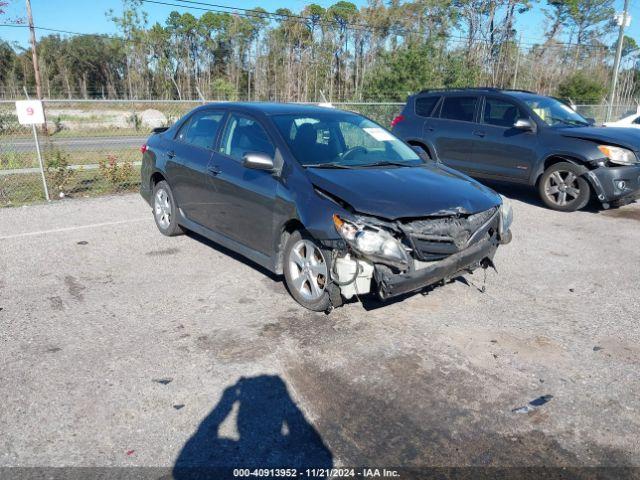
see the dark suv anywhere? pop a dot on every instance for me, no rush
(328, 198)
(522, 137)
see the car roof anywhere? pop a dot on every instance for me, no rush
(476, 90)
(525, 95)
(274, 108)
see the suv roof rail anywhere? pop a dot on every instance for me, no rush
(463, 89)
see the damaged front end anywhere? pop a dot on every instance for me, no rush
(405, 255)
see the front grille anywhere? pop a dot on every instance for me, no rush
(438, 237)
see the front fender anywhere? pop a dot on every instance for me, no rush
(570, 157)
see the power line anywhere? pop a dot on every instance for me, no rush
(253, 10)
(252, 13)
(56, 30)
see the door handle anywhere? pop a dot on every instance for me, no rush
(429, 129)
(479, 133)
(213, 170)
(171, 154)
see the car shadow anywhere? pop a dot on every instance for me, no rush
(528, 194)
(230, 253)
(255, 424)
(371, 301)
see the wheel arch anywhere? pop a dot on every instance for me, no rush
(422, 144)
(282, 236)
(155, 178)
(554, 158)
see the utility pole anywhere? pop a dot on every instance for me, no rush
(515, 73)
(616, 65)
(34, 54)
(36, 65)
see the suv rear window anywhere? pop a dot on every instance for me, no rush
(459, 108)
(424, 105)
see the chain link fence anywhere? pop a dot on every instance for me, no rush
(92, 147)
(599, 112)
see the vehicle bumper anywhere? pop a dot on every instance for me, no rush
(608, 186)
(390, 285)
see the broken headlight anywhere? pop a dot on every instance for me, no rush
(506, 216)
(372, 242)
(618, 155)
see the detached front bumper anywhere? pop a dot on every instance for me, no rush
(616, 184)
(391, 285)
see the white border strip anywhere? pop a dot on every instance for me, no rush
(71, 229)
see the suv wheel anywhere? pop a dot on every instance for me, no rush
(306, 272)
(562, 188)
(164, 210)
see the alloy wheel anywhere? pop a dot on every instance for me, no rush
(308, 270)
(162, 208)
(562, 188)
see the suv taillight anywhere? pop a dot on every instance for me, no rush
(397, 120)
(144, 148)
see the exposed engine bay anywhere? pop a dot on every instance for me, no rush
(416, 252)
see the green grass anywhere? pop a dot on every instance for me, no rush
(17, 160)
(17, 190)
(13, 160)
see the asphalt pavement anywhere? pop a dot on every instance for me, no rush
(122, 347)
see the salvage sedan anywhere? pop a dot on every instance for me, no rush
(328, 198)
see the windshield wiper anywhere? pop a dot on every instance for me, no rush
(326, 165)
(386, 163)
(572, 123)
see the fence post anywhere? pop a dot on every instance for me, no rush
(44, 178)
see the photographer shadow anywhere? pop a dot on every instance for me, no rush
(255, 424)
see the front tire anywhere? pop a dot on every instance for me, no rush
(306, 272)
(562, 188)
(165, 210)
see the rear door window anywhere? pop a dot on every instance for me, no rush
(501, 113)
(201, 129)
(459, 108)
(424, 106)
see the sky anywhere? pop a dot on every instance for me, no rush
(89, 17)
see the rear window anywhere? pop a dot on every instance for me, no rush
(201, 129)
(424, 106)
(459, 108)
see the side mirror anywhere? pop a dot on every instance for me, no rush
(257, 161)
(591, 120)
(525, 124)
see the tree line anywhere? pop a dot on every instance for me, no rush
(379, 52)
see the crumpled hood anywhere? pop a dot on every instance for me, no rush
(624, 137)
(401, 192)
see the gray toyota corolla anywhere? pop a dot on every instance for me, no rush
(328, 198)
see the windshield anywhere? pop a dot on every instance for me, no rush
(342, 140)
(553, 113)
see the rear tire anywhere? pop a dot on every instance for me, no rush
(562, 188)
(306, 272)
(165, 210)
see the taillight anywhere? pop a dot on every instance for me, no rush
(397, 120)
(144, 148)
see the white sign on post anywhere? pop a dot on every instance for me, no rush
(30, 112)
